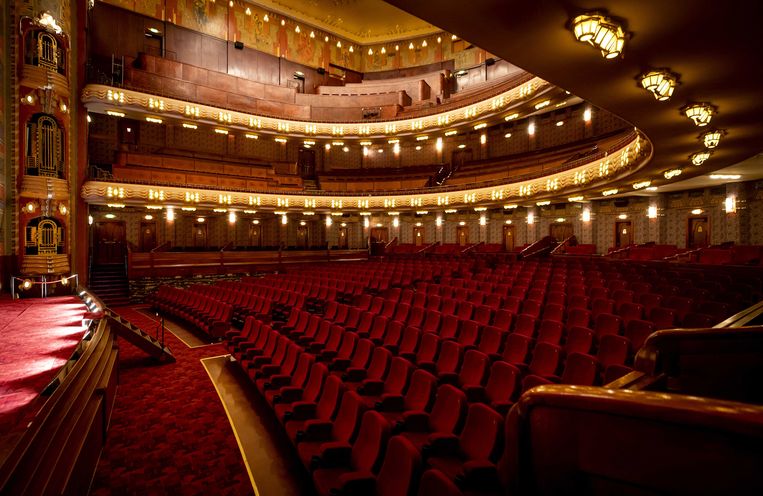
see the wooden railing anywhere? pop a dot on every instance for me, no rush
(166, 264)
(58, 452)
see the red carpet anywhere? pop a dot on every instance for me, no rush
(169, 434)
(38, 337)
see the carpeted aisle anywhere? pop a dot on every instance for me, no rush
(169, 433)
(38, 337)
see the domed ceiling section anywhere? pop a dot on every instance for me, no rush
(711, 49)
(361, 21)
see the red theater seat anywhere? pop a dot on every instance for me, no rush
(446, 415)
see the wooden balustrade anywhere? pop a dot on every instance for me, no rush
(187, 264)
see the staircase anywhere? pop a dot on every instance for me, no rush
(310, 184)
(152, 346)
(109, 283)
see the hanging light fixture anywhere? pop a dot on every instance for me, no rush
(672, 173)
(699, 113)
(711, 139)
(601, 32)
(699, 157)
(660, 82)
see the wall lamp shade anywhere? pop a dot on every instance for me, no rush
(601, 32)
(660, 82)
(711, 139)
(699, 113)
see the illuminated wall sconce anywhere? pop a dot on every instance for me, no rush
(543, 203)
(587, 115)
(438, 144)
(483, 139)
(508, 222)
(531, 129)
(651, 212)
(483, 220)
(601, 32)
(622, 216)
(329, 221)
(170, 214)
(462, 223)
(699, 157)
(438, 221)
(110, 216)
(660, 82)
(696, 211)
(148, 217)
(366, 222)
(711, 139)
(530, 218)
(642, 184)
(561, 219)
(232, 217)
(395, 222)
(575, 198)
(201, 220)
(586, 217)
(90, 220)
(284, 219)
(699, 113)
(672, 173)
(730, 205)
(255, 222)
(396, 148)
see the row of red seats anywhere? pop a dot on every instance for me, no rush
(206, 313)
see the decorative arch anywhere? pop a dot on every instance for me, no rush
(44, 147)
(45, 49)
(44, 236)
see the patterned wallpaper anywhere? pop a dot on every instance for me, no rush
(246, 22)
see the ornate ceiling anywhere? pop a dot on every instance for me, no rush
(361, 21)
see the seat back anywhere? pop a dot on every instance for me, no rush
(491, 340)
(398, 473)
(362, 353)
(434, 482)
(516, 349)
(372, 438)
(580, 369)
(330, 396)
(502, 382)
(348, 417)
(312, 390)
(448, 409)
(473, 369)
(399, 372)
(409, 341)
(637, 331)
(550, 331)
(449, 357)
(545, 359)
(428, 347)
(579, 339)
(481, 437)
(349, 340)
(503, 319)
(420, 392)
(380, 359)
(613, 350)
(524, 324)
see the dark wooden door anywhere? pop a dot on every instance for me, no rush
(561, 230)
(462, 235)
(698, 232)
(147, 236)
(508, 238)
(109, 242)
(306, 162)
(379, 235)
(200, 235)
(302, 237)
(342, 242)
(255, 235)
(623, 234)
(418, 235)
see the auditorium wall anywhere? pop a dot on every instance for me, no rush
(246, 23)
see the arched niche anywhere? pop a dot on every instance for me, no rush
(44, 150)
(43, 48)
(44, 236)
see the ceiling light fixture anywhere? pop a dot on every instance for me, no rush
(672, 173)
(642, 184)
(725, 177)
(609, 192)
(699, 157)
(660, 82)
(699, 113)
(711, 139)
(601, 32)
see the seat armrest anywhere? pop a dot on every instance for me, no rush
(302, 410)
(415, 421)
(316, 431)
(335, 454)
(442, 445)
(288, 394)
(371, 387)
(279, 381)
(354, 375)
(361, 483)
(391, 403)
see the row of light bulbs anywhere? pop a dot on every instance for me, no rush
(608, 35)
